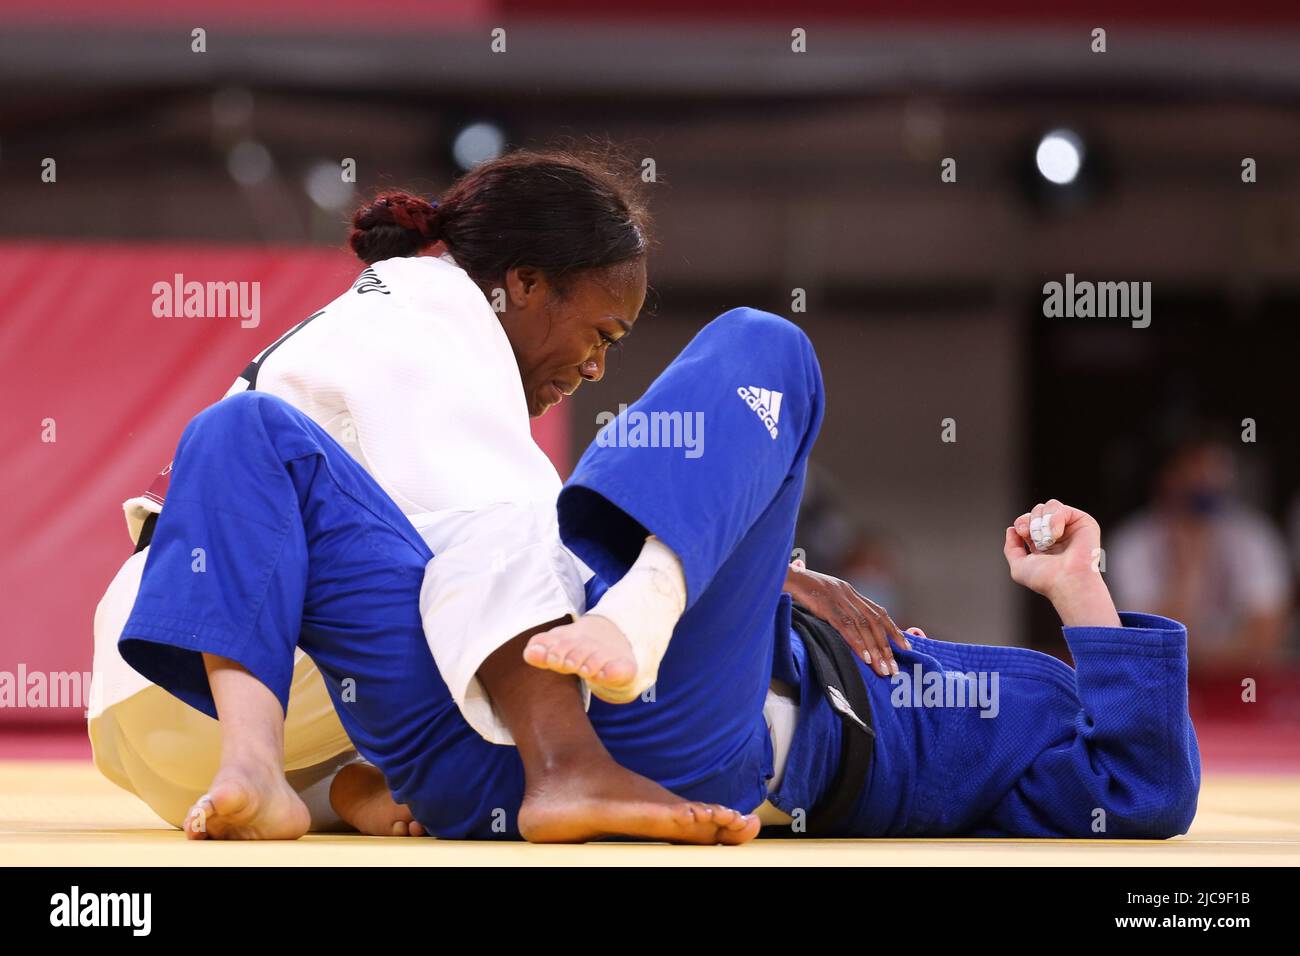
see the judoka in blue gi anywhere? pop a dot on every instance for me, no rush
(302, 548)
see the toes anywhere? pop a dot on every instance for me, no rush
(228, 799)
(579, 661)
(694, 814)
(593, 664)
(721, 815)
(546, 650)
(724, 819)
(196, 821)
(407, 828)
(728, 818)
(616, 672)
(730, 826)
(563, 654)
(538, 650)
(556, 654)
(195, 825)
(750, 825)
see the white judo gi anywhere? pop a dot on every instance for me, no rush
(411, 372)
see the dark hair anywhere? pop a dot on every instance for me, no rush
(563, 212)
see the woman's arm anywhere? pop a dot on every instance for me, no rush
(865, 625)
(1054, 550)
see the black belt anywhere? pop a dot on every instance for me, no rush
(146, 532)
(838, 677)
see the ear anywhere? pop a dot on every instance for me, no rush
(525, 284)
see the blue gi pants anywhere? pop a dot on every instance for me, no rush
(273, 536)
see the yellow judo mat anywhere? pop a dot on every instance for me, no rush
(63, 813)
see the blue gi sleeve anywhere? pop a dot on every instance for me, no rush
(1131, 766)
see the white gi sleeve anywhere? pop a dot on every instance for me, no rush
(497, 571)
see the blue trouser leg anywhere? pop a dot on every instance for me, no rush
(274, 537)
(729, 513)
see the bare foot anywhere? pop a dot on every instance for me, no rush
(248, 802)
(594, 649)
(603, 799)
(360, 796)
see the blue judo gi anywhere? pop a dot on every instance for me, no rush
(274, 537)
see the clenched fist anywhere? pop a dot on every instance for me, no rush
(1051, 545)
(1054, 551)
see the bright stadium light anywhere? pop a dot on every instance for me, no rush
(325, 185)
(477, 143)
(1059, 156)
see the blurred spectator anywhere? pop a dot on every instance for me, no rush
(1204, 557)
(835, 541)
(1293, 542)
(1293, 537)
(870, 564)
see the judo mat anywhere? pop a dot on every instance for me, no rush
(63, 813)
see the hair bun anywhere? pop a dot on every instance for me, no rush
(393, 224)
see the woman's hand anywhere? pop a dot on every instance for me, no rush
(865, 625)
(1055, 551)
(1051, 545)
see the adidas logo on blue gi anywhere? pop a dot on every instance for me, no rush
(765, 403)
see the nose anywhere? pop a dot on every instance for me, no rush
(593, 370)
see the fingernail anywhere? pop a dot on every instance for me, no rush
(866, 657)
(893, 667)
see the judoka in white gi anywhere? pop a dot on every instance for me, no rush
(429, 389)
(413, 372)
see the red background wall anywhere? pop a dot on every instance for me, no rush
(79, 344)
